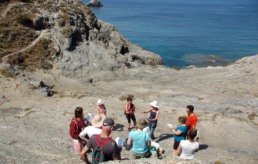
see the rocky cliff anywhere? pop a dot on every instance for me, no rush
(60, 48)
(65, 35)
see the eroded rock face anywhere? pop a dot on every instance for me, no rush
(64, 35)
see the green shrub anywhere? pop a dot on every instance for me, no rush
(252, 115)
(6, 72)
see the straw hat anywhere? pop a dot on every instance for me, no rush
(141, 123)
(100, 102)
(98, 120)
(154, 104)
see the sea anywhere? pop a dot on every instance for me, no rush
(187, 32)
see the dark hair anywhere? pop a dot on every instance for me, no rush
(78, 112)
(190, 107)
(191, 134)
(129, 99)
(182, 119)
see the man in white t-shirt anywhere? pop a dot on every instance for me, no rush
(94, 129)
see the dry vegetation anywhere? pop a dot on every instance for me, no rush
(39, 56)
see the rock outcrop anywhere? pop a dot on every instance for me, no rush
(65, 35)
(94, 3)
(58, 48)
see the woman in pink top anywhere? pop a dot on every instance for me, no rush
(129, 112)
(101, 109)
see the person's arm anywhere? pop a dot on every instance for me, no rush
(83, 134)
(129, 141)
(146, 111)
(126, 110)
(179, 150)
(84, 156)
(97, 109)
(117, 150)
(178, 132)
(73, 130)
(149, 143)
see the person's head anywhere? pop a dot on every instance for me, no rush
(129, 99)
(154, 105)
(189, 109)
(141, 123)
(191, 134)
(100, 102)
(97, 120)
(78, 112)
(182, 119)
(107, 125)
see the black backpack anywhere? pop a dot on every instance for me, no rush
(98, 153)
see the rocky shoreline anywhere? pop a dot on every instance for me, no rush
(84, 59)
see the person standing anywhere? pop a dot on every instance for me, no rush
(110, 150)
(76, 126)
(129, 112)
(153, 118)
(101, 108)
(187, 148)
(179, 131)
(191, 117)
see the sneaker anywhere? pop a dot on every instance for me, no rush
(159, 154)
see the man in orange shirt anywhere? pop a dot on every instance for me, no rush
(191, 117)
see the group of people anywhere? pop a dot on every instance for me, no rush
(90, 135)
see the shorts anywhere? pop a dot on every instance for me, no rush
(176, 144)
(137, 156)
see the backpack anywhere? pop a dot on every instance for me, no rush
(74, 129)
(98, 153)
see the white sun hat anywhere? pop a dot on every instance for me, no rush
(154, 104)
(100, 102)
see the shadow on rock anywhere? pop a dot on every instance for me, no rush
(203, 146)
(163, 137)
(119, 127)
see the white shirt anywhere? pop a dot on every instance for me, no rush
(188, 149)
(89, 130)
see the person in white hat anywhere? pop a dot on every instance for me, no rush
(94, 129)
(100, 108)
(153, 118)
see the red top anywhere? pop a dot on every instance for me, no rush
(130, 108)
(76, 126)
(191, 121)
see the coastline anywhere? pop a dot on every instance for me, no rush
(35, 127)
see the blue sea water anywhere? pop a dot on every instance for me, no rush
(184, 32)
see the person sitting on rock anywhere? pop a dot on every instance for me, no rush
(179, 131)
(141, 141)
(129, 112)
(159, 150)
(95, 127)
(100, 108)
(187, 148)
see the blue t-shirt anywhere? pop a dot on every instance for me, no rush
(182, 136)
(140, 141)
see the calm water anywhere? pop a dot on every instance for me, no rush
(185, 32)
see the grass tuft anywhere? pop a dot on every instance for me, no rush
(6, 72)
(252, 116)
